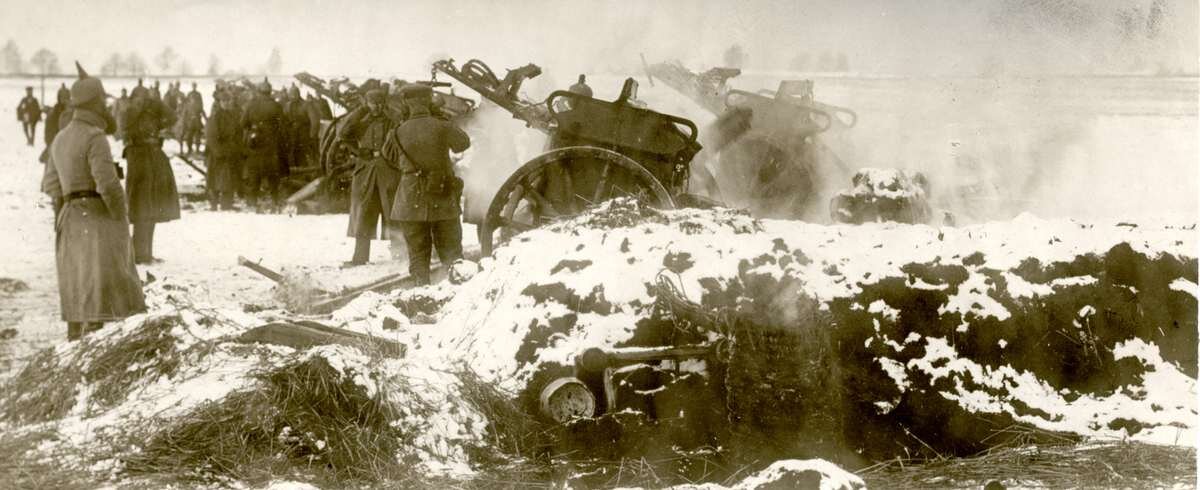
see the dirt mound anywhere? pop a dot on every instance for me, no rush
(851, 344)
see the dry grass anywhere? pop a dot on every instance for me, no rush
(116, 368)
(303, 421)
(45, 389)
(23, 467)
(1108, 465)
(512, 430)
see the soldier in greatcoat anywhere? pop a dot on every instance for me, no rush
(375, 177)
(153, 197)
(97, 282)
(225, 152)
(262, 124)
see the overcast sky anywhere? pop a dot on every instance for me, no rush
(906, 37)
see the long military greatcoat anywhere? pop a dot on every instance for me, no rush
(153, 197)
(97, 281)
(374, 175)
(263, 117)
(225, 147)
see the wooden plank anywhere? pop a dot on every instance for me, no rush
(309, 334)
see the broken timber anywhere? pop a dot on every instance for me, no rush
(303, 334)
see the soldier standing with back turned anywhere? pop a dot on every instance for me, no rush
(97, 281)
(153, 197)
(262, 122)
(427, 203)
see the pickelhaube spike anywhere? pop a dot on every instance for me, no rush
(82, 74)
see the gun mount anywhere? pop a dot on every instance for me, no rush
(770, 153)
(502, 92)
(597, 150)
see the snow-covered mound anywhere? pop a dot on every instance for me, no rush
(849, 343)
(1065, 326)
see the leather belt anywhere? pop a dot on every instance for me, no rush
(81, 195)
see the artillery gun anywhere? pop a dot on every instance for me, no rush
(333, 176)
(597, 150)
(772, 158)
(769, 142)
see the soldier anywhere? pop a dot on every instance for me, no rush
(262, 120)
(375, 177)
(312, 109)
(29, 112)
(119, 107)
(97, 281)
(153, 197)
(581, 87)
(296, 118)
(427, 203)
(224, 134)
(193, 120)
(55, 120)
(173, 98)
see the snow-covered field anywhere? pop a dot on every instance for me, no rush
(1091, 180)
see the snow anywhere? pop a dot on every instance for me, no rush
(487, 318)
(1167, 397)
(831, 477)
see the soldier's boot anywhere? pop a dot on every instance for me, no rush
(362, 252)
(226, 200)
(417, 236)
(89, 327)
(143, 243)
(74, 331)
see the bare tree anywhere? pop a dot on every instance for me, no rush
(274, 62)
(45, 61)
(113, 66)
(11, 56)
(135, 64)
(214, 65)
(165, 59)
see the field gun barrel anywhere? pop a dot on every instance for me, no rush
(504, 92)
(319, 86)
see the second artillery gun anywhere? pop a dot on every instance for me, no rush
(771, 157)
(597, 150)
(773, 160)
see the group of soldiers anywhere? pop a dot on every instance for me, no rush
(256, 137)
(403, 177)
(403, 182)
(252, 136)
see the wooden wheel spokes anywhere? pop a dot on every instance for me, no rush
(563, 183)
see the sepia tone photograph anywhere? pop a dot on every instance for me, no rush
(599, 244)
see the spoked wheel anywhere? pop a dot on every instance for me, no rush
(562, 183)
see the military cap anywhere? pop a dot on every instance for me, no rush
(376, 95)
(416, 91)
(86, 89)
